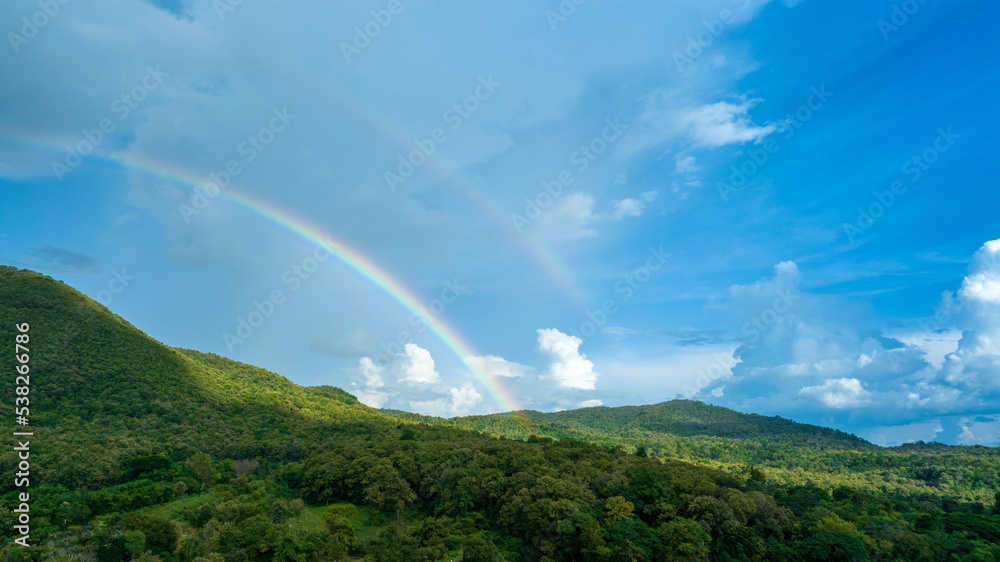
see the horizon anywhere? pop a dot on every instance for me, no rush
(784, 208)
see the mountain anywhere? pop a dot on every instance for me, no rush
(141, 451)
(678, 418)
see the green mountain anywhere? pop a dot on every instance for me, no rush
(678, 418)
(140, 451)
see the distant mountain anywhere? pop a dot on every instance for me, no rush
(689, 418)
(656, 427)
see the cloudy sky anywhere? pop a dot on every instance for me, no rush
(783, 207)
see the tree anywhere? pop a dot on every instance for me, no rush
(385, 489)
(478, 548)
(201, 466)
(684, 539)
(833, 547)
(618, 508)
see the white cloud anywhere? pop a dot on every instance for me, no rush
(590, 403)
(722, 123)
(685, 164)
(837, 393)
(418, 366)
(495, 366)
(460, 402)
(371, 372)
(569, 368)
(372, 398)
(464, 399)
(983, 430)
(626, 208)
(976, 311)
(573, 216)
(438, 407)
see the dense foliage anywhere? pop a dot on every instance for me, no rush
(145, 452)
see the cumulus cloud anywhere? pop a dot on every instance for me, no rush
(590, 403)
(464, 399)
(837, 393)
(371, 372)
(981, 430)
(372, 398)
(569, 368)
(418, 365)
(495, 366)
(799, 350)
(975, 364)
(826, 359)
(369, 391)
(460, 402)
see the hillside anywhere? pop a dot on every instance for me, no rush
(146, 452)
(93, 370)
(689, 418)
(789, 452)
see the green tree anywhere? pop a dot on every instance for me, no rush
(685, 539)
(200, 465)
(618, 508)
(833, 547)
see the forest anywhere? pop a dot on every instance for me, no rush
(145, 452)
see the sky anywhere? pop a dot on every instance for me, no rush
(781, 207)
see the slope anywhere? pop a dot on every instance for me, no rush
(104, 390)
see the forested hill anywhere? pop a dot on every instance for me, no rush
(689, 418)
(143, 452)
(103, 390)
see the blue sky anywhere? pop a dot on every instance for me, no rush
(781, 207)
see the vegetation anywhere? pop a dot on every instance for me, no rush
(146, 452)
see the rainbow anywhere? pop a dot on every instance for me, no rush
(361, 264)
(325, 88)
